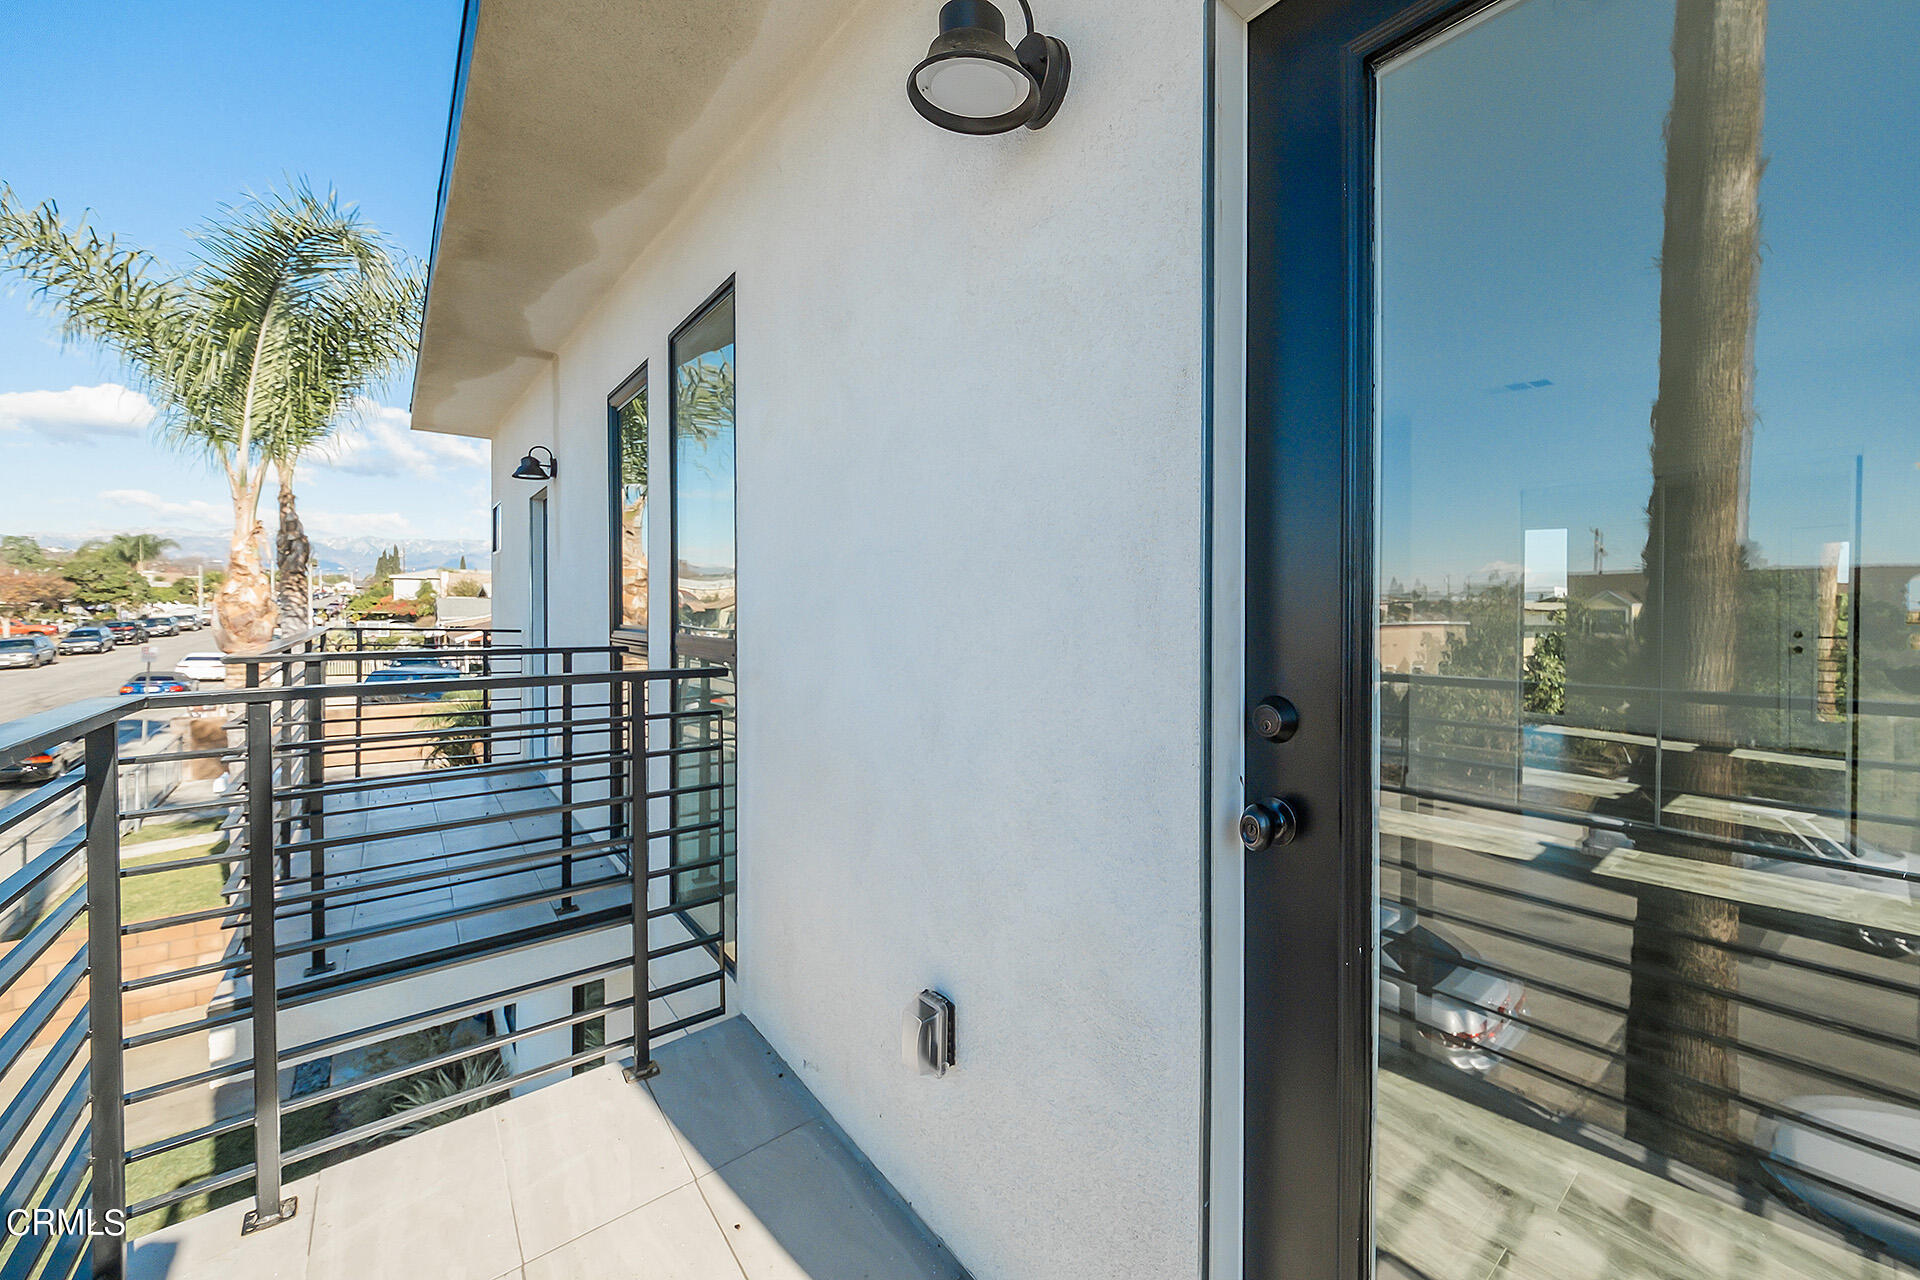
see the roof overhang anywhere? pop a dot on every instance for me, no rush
(578, 128)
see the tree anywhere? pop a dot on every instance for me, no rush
(37, 589)
(22, 552)
(101, 579)
(243, 345)
(371, 330)
(1680, 1070)
(138, 548)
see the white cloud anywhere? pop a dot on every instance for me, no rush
(376, 441)
(194, 511)
(358, 524)
(108, 411)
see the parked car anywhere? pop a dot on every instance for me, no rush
(126, 631)
(1796, 1148)
(86, 639)
(32, 629)
(26, 651)
(159, 682)
(203, 667)
(160, 625)
(46, 765)
(1465, 1012)
(412, 671)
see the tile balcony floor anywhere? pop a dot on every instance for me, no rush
(723, 1167)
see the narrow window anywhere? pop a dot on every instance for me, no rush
(704, 623)
(627, 467)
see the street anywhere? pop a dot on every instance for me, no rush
(76, 676)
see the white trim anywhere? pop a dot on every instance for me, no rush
(1227, 1137)
(1248, 10)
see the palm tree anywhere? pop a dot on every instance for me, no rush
(260, 332)
(137, 548)
(1680, 1076)
(373, 328)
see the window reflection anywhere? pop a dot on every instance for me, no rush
(1649, 697)
(704, 628)
(630, 511)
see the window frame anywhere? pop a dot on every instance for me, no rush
(622, 634)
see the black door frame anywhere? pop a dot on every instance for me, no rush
(1310, 929)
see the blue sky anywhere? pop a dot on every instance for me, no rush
(149, 116)
(1521, 217)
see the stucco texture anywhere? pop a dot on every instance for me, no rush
(970, 599)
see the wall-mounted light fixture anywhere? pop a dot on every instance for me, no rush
(531, 468)
(972, 81)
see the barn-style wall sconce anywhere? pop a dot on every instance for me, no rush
(531, 468)
(972, 81)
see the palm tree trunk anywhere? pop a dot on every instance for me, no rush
(295, 554)
(243, 614)
(1681, 1019)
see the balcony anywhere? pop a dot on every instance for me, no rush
(475, 855)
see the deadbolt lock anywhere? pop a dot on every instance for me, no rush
(1267, 823)
(1275, 719)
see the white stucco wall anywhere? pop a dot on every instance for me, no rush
(969, 404)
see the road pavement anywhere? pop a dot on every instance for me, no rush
(77, 676)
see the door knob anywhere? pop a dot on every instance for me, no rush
(1266, 823)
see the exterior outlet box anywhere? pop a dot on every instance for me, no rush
(926, 1034)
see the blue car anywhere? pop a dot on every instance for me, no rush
(158, 682)
(412, 672)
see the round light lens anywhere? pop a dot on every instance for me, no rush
(977, 88)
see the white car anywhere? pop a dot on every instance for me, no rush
(203, 666)
(1469, 1015)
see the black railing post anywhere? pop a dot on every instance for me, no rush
(566, 904)
(287, 734)
(269, 1207)
(315, 805)
(634, 695)
(107, 1130)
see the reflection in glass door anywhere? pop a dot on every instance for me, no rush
(1646, 616)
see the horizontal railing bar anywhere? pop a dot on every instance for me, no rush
(182, 864)
(1637, 826)
(163, 1145)
(525, 862)
(360, 1037)
(239, 1011)
(47, 793)
(402, 968)
(22, 882)
(688, 984)
(1733, 1146)
(31, 735)
(202, 1187)
(34, 943)
(135, 927)
(1751, 1001)
(452, 824)
(38, 1087)
(692, 1020)
(334, 814)
(450, 1056)
(347, 937)
(496, 769)
(1629, 922)
(39, 1012)
(222, 965)
(62, 1127)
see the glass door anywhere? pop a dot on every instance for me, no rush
(1584, 543)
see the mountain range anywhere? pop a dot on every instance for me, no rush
(333, 555)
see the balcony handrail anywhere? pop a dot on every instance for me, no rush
(617, 777)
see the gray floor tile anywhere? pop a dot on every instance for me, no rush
(725, 1091)
(210, 1247)
(804, 1207)
(583, 1152)
(435, 1204)
(673, 1238)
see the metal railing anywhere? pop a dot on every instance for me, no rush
(400, 891)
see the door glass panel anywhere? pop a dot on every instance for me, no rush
(1648, 627)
